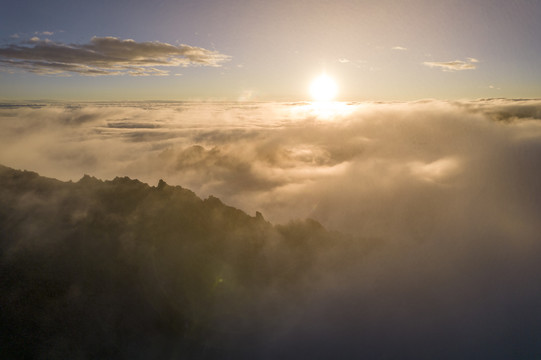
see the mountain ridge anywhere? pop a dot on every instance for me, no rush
(122, 269)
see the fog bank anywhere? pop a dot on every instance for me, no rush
(437, 204)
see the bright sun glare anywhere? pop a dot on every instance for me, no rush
(323, 88)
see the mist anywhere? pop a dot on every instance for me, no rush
(431, 208)
(384, 169)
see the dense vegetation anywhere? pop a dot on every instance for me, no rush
(120, 269)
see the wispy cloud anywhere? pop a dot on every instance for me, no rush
(399, 48)
(46, 33)
(343, 60)
(104, 56)
(455, 65)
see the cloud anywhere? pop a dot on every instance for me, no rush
(343, 60)
(104, 56)
(287, 161)
(400, 48)
(46, 33)
(447, 191)
(455, 65)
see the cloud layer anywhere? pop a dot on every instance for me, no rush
(104, 56)
(448, 190)
(355, 168)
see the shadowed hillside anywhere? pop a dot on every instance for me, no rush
(120, 269)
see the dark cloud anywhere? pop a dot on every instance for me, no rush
(104, 56)
(505, 109)
(220, 167)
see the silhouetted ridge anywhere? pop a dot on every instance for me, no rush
(120, 269)
(87, 180)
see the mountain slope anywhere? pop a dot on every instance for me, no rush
(120, 269)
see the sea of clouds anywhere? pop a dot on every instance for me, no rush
(417, 169)
(451, 189)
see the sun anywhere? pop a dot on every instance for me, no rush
(323, 88)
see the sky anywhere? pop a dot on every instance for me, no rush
(269, 50)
